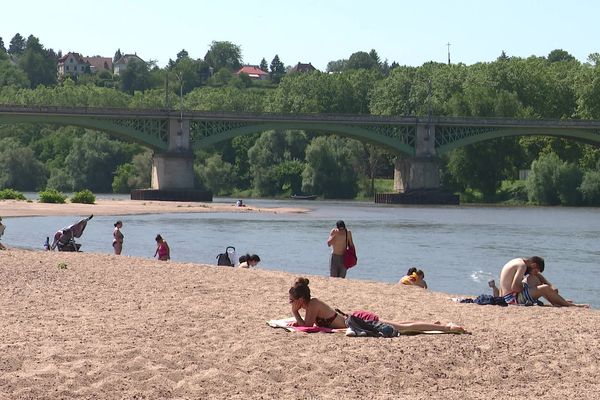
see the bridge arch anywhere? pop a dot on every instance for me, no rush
(449, 138)
(397, 139)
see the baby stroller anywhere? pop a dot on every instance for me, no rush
(64, 239)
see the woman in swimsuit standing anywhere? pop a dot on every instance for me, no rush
(118, 238)
(162, 249)
(321, 314)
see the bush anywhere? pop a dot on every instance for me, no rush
(85, 196)
(52, 196)
(11, 194)
(590, 188)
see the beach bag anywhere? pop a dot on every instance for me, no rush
(350, 259)
(224, 259)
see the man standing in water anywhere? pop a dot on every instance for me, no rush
(516, 291)
(339, 239)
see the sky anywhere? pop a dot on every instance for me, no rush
(315, 31)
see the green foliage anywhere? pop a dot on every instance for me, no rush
(590, 187)
(134, 175)
(553, 181)
(363, 60)
(11, 194)
(19, 169)
(216, 175)
(277, 69)
(329, 171)
(84, 196)
(135, 77)
(224, 54)
(52, 196)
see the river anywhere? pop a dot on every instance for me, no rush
(459, 247)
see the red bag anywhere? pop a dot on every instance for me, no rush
(350, 257)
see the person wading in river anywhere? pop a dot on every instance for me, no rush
(339, 239)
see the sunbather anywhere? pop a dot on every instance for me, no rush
(321, 314)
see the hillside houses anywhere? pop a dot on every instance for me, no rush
(73, 64)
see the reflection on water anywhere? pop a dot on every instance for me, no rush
(459, 248)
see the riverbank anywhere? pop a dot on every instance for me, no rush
(85, 325)
(19, 208)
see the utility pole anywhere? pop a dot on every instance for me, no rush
(448, 44)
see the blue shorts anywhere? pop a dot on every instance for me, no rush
(520, 298)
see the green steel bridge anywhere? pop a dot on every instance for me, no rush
(172, 135)
(398, 134)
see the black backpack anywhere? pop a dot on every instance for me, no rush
(223, 258)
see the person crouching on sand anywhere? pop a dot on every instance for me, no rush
(162, 249)
(414, 277)
(247, 261)
(321, 314)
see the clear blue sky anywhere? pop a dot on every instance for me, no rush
(317, 31)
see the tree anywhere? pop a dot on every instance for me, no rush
(553, 181)
(263, 65)
(277, 69)
(117, 56)
(17, 45)
(39, 64)
(216, 175)
(363, 60)
(2, 48)
(559, 55)
(11, 75)
(93, 160)
(224, 55)
(329, 170)
(337, 66)
(19, 169)
(135, 77)
(590, 187)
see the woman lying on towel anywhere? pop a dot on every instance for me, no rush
(321, 314)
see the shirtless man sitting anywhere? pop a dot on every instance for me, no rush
(516, 291)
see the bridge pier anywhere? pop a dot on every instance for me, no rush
(173, 170)
(417, 179)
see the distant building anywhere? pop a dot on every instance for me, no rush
(72, 64)
(254, 72)
(121, 64)
(99, 64)
(300, 67)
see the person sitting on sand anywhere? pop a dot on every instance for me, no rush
(414, 277)
(247, 261)
(517, 290)
(162, 249)
(321, 314)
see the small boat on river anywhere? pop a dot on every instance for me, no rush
(303, 196)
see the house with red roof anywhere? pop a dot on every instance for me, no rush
(99, 64)
(254, 72)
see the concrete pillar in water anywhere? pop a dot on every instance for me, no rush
(174, 169)
(420, 171)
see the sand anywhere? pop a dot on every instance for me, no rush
(99, 326)
(19, 208)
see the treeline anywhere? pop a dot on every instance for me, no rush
(282, 163)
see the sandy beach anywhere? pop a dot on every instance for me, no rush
(95, 326)
(19, 208)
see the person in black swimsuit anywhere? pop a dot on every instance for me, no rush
(321, 314)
